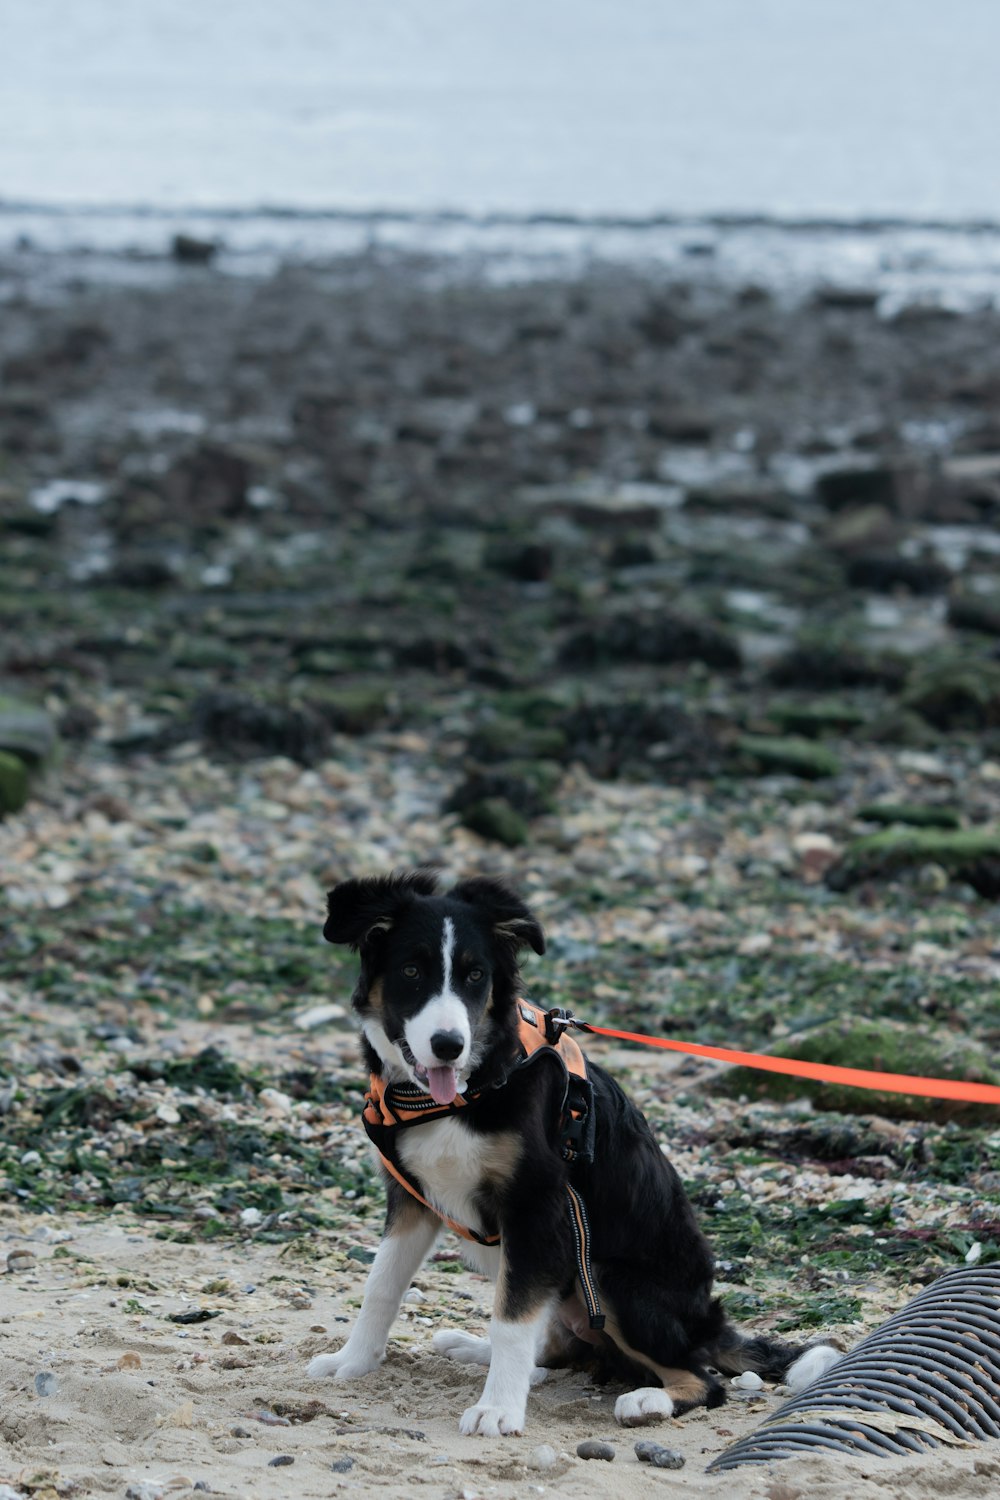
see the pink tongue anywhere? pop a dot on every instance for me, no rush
(442, 1084)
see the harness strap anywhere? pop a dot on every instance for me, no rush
(581, 1240)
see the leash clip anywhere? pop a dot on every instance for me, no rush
(557, 1021)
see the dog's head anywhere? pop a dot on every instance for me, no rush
(439, 974)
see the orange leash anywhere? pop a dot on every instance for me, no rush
(857, 1078)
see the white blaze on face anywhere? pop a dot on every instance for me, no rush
(445, 1011)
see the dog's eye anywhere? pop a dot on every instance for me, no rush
(411, 971)
(475, 975)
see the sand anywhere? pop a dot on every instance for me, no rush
(141, 1400)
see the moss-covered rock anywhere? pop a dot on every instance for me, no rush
(971, 855)
(25, 730)
(880, 1046)
(914, 815)
(789, 753)
(494, 818)
(505, 738)
(13, 783)
(355, 710)
(817, 718)
(956, 693)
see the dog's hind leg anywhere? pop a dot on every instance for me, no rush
(410, 1233)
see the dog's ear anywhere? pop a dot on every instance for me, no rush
(358, 908)
(510, 918)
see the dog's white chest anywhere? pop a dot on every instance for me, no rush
(454, 1165)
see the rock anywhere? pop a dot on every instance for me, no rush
(543, 1457)
(494, 818)
(594, 1448)
(129, 1361)
(526, 786)
(971, 855)
(319, 1015)
(655, 639)
(21, 1260)
(796, 757)
(817, 718)
(636, 737)
(872, 485)
(342, 1465)
(979, 612)
(281, 1461)
(648, 1452)
(883, 572)
(144, 1489)
(351, 710)
(818, 664)
(25, 731)
(956, 693)
(921, 816)
(245, 725)
(189, 250)
(208, 483)
(46, 1383)
(880, 1046)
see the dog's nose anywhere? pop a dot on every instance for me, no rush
(447, 1045)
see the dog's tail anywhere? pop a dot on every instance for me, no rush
(796, 1365)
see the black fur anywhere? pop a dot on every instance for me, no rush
(652, 1264)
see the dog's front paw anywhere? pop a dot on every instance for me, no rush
(344, 1365)
(492, 1421)
(650, 1403)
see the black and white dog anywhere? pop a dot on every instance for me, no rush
(438, 1000)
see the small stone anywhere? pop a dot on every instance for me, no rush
(748, 1381)
(20, 1260)
(168, 1115)
(319, 1015)
(342, 1465)
(593, 1448)
(130, 1361)
(251, 1217)
(239, 1432)
(648, 1452)
(144, 1489)
(281, 1461)
(46, 1383)
(233, 1338)
(543, 1457)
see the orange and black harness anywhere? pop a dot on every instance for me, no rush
(394, 1106)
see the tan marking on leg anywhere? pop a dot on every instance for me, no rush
(375, 997)
(683, 1386)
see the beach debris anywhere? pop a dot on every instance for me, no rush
(748, 1381)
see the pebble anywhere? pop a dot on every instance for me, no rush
(593, 1448)
(130, 1361)
(46, 1383)
(250, 1217)
(281, 1461)
(543, 1457)
(342, 1465)
(21, 1260)
(661, 1458)
(748, 1381)
(144, 1490)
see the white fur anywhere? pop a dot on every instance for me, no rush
(396, 1263)
(445, 1011)
(451, 1163)
(650, 1403)
(500, 1408)
(811, 1365)
(467, 1349)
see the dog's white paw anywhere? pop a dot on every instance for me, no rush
(463, 1347)
(492, 1421)
(650, 1403)
(811, 1365)
(343, 1365)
